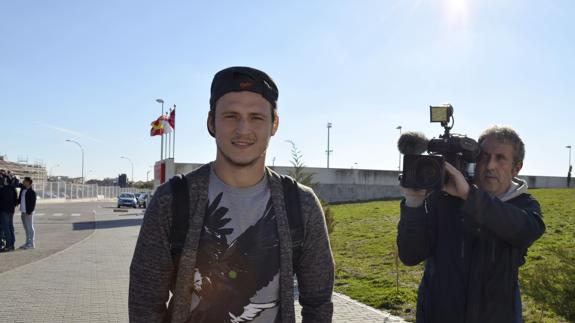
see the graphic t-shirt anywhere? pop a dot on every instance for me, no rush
(236, 278)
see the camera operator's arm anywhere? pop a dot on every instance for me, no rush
(413, 237)
(518, 223)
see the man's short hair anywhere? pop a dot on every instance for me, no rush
(506, 135)
(28, 179)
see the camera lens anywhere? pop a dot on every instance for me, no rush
(427, 172)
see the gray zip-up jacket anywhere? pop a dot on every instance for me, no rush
(152, 268)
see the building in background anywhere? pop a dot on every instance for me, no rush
(36, 171)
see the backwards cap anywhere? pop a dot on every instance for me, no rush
(240, 78)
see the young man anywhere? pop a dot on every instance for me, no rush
(27, 201)
(237, 263)
(472, 237)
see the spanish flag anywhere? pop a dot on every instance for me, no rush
(157, 127)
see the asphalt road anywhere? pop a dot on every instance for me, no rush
(60, 225)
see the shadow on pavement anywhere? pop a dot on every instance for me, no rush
(108, 224)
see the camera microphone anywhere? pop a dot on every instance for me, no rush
(412, 143)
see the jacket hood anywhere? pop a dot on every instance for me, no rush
(518, 187)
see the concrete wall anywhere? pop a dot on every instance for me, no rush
(544, 181)
(337, 185)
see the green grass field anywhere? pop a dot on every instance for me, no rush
(364, 248)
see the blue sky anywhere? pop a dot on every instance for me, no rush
(90, 71)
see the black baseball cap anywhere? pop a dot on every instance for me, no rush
(241, 78)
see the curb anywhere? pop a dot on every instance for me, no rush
(387, 316)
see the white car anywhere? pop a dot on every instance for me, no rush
(127, 199)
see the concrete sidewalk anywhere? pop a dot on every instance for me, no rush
(88, 282)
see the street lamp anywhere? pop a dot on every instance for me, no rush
(162, 148)
(77, 143)
(569, 172)
(132, 166)
(399, 164)
(328, 151)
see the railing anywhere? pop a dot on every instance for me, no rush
(64, 190)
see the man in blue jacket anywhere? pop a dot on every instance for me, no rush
(473, 238)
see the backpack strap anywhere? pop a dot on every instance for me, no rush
(294, 214)
(180, 216)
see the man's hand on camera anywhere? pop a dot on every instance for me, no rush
(413, 197)
(456, 184)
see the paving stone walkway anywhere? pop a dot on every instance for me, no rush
(88, 282)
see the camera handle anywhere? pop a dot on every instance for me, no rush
(447, 127)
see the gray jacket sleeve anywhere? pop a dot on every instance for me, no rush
(151, 267)
(315, 269)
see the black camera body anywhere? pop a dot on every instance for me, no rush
(428, 171)
(423, 172)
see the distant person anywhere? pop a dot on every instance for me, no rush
(2, 237)
(27, 201)
(238, 261)
(473, 238)
(8, 202)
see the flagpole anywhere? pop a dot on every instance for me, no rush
(162, 142)
(174, 143)
(167, 139)
(167, 136)
(167, 143)
(171, 146)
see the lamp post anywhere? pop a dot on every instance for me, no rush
(162, 148)
(328, 151)
(399, 164)
(569, 172)
(77, 143)
(132, 166)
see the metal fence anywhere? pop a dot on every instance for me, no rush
(64, 190)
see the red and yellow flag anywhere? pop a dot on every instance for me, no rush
(172, 119)
(157, 127)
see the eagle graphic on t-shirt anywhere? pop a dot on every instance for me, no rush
(229, 273)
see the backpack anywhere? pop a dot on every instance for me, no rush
(181, 207)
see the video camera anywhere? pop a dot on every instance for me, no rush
(8, 179)
(428, 171)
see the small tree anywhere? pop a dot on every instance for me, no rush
(305, 178)
(298, 172)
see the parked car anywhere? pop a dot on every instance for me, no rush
(143, 199)
(127, 199)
